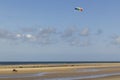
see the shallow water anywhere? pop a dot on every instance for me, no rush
(85, 77)
(88, 70)
(22, 75)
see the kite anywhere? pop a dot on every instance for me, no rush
(79, 9)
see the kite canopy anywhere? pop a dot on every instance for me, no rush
(79, 9)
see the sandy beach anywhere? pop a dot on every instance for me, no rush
(92, 71)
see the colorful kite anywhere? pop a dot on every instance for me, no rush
(79, 9)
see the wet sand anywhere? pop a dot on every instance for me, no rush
(61, 71)
(105, 78)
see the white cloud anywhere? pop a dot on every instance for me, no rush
(84, 32)
(99, 31)
(18, 35)
(117, 40)
(43, 36)
(69, 32)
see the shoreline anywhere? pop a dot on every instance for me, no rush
(61, 70)
(49, 67)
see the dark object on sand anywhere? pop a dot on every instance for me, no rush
(14, 70)
(20, 67)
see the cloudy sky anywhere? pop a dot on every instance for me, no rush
(52, 30)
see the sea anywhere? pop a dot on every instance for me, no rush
(52, 62)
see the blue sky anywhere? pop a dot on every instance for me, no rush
(51, 30)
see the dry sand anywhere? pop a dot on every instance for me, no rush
(61, 71)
